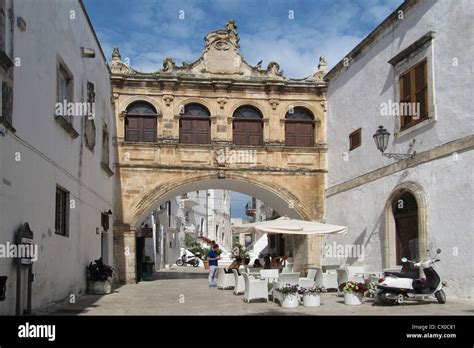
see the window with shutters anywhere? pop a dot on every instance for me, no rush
(195, 125)
(355, 139)
(413, 96)
(140, 122)
(247, 126)
(62, 212)
(65, 89)
(90, 130)
(299, 127)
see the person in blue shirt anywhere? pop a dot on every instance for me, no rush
(213, 258)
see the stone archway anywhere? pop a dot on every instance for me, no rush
(147, 173)
(160, 186)
(418, 193)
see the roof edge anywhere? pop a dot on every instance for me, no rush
(356, 51)
(84, 10)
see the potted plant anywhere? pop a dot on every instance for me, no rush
(372, 289)
(289, 296)
(353, 292)
(99, 278)
(204, 257)
(312, 296)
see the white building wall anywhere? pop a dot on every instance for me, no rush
(356, 94)
(354, 100)
(41, 155)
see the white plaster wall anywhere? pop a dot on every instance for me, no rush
(355, 95)
(354, 99)
(49, 156)
(448, 187)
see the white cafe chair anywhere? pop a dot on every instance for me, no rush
(310, 279)
(254, 288)
(239, 287)
(224, 280)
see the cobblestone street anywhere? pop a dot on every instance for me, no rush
(185, 292)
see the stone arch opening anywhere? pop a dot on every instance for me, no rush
(285, 203)
(406, 229)
(305, 250)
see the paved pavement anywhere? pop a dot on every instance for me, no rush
(184, 291)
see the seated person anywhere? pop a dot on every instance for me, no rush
(234, 265)
(257, 263)
(276, 261)
(267, 262)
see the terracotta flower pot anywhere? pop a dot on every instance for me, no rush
(206, 264)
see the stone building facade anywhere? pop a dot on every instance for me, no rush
(217, 123)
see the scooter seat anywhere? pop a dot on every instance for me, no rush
(411, 275)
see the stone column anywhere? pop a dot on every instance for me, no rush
(125, 253)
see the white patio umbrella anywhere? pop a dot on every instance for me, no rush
(286, 225)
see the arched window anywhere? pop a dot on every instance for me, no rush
(195, 125)
(299, 127)
(248, 126)
(140, 122)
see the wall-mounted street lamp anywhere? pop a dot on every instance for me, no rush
(381, 138)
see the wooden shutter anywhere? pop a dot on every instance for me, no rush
(132, 128)
(186, 131)
(420, 85)
(299, 134)
(148, 129)
(255, 133)
(290, 133)
(201, 131)
(414, 89)
(240, 137)
(355, 139)
(405, 96)
(140, 128)
(248, 132)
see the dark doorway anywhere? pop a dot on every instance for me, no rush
(140, 252)
(405, 212)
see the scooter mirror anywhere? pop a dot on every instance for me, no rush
(438, 251)
(404, 259)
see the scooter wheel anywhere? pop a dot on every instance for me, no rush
(384, 300)
(179, 262)
(196, 264)
(440, 296)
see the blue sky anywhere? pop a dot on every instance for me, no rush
(147, 31)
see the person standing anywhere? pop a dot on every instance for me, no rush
(213, 258)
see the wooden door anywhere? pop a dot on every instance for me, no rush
(299, 134)
(248, 132)
(142, 129)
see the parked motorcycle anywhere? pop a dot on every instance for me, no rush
(395, 287)
(189, 260)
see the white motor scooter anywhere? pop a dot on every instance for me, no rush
(395, 287)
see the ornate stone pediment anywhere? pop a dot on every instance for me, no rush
(119, 67)
(221, 58)
(318, 76)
